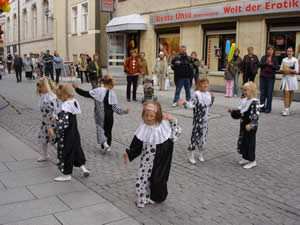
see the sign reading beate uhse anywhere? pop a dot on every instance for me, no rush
(246, 8)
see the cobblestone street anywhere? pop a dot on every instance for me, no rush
(217, 191)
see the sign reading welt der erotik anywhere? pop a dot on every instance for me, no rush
(247, 8)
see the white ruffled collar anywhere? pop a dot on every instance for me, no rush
(99, 95)
(204, 97)
(154, 134)
(245, 104)
(71, 106)
(47, 97)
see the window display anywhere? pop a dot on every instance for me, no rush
(169, 45)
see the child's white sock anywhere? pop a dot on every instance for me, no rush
(85, 171)
(192, 157)
(44, 155)
(63, 178)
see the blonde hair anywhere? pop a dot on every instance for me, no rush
(48, 84)
(251, 87)
(159, 115)
(201, 81)
(64, 89)
(108, 81)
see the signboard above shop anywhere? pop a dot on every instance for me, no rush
(245, 8)
(107, 5)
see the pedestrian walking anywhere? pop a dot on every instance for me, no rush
(106, 104)
(82, 68)
(48, 61)
(289, 68)
(154, 141)
(18, 65)
(196, 65)
(183, 70)
(94, 70)
(161, 70)
(269, 66)
(248, 113)
(69, 150)
(144, 68)
(237, 68)
(250, 66)
(203, 70)
(2, 68)
(28, 67)
(40, 65)
(229, 80)
(201, 102)
(48, 106)
(9, 61)
(133, 70)
(58, 66)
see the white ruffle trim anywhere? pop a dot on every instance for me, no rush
(245, 104)
(99, 94)
(204, 97)
(154, 134)
(69, 106)
(47, 97)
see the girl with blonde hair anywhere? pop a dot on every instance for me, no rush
(48, 106)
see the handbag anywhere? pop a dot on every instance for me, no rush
(167, 83)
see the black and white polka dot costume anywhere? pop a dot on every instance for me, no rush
(200, 103)
(155, 145)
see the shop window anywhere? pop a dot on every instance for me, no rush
(116, 49)
(215, 41)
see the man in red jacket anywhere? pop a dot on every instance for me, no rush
(132, 68)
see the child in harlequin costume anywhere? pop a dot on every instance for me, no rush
(201, 102)
(69, 151)
(48, 106)
(154, 141)
(105, 105)
(248, 113)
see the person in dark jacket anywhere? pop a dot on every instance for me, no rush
(9, 60)
(18, 65)
(237, 67)
(269, 65)
(183, 70)
(48, 62)
(196, 65)
(94, 70)
(250, 66)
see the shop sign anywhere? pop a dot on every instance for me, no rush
(246, 8)
(107, 5)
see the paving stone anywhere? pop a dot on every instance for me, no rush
(8, 196)
(128, 221)
(30, 209)
(27, 164)
(5, 156)
(3, 168)
(55, 188)
(92, 215)
(44, 220)
(79, 199)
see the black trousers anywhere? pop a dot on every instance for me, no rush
(18, 74)
(49, 70)
(131, 79)
(248, 77)
(81, 76)
(9, 67)
(57, 71)
(108, 125)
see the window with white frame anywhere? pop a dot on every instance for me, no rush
(15, 27)
(46, 19)
(34, 21)
(7, 30)
(74, 19)
(85, 13)
(25, 24)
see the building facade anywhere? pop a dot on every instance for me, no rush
(29, 26)
(204, 26)
(79, 28)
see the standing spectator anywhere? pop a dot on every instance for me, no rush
(196, 65)
(183, 69)
(237, 67)
(170, 57)
(9, 60)
(41, 64)
(203, 71)
(2, 68)
(28, 68)
(144, 67)
(132, 69)
(18, 64)
(289, 68)
(82, 68)
(58, 66)
(250, 66)
(268, 65)
(229, 77)
(161, 70)
(94, 70)
(48, 62)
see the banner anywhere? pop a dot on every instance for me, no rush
(107, 5)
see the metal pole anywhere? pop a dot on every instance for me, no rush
(19, 27)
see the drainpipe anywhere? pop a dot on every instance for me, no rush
(19, 27)
(67, 30)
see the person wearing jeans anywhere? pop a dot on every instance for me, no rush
(48, 62)
(268, 65)
(58, 66)
(18, 64)
(237, 67)
(132, 68)
(183, 70)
